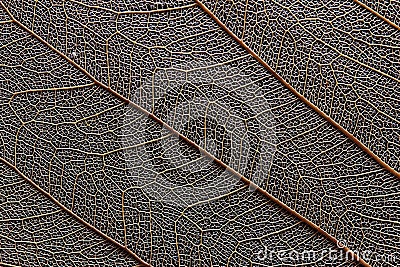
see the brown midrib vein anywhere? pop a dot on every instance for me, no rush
(378, 15)
(73, 215)
(188, 141)
(70, 212)
(297, 94)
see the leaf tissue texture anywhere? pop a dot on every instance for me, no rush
(123, 173)
(337, 54)
(388, 9)
(130, 131)
(36, 232)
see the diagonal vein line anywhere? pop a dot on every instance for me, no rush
(378, 15)
(203, 151)
(132, 12)
(338, 51)
(76, 217)
(298, 95)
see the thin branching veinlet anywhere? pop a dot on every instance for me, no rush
(215, 133)
(387, 10)
(345, 91)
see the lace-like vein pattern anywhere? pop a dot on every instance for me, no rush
(116, 168)
(314, 169)
(340, 56)
(386, 8)
(83, 163)
(36, 232)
